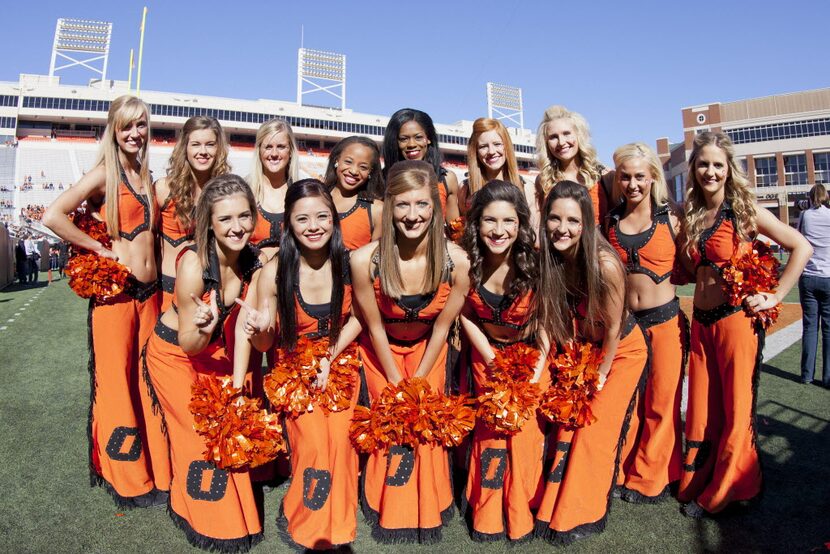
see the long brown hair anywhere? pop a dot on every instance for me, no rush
(510, 171)
(561, 279)
(216, 189)
(403, 177)
(123, 111)
(180, 177)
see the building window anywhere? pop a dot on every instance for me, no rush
(795, 169)
(822, 162)
(766, 172)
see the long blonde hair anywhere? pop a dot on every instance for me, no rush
(180, 176)
(403, 177)
(549, 171)
(640, 151)
(123, 111)
(257, 179)
(736, 192)
(510, 171)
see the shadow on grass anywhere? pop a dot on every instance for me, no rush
(777, 372)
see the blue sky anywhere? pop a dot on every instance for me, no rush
(629, 67)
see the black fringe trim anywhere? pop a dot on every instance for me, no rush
(151, 391)
(418, 535)
(634, 497)
(94, 479)
(563, 538)
(242, 544)
(145, 500)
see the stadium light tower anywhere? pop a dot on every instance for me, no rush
(84, 43)
(323, 72)
(505, 102)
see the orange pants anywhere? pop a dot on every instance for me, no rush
(406, 493)
(657, 454)
(214, 507)
(127, 449)
(721, 462)
(582, 477)
(504, 484)
(319, 509)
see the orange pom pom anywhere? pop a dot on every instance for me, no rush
(290, 386)
(752, 270)
(92, 276)
(509, 398)
(455, 228)
(575, 380)
(237, 433)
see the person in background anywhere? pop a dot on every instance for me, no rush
(814, 286)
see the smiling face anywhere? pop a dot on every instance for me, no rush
(711, 170)
(201, 150)
(132, 136)
(560, 136)
(564, 226)
(311, 223)
(413, 141)
(498, 226)
(232, 222)
(354, 167)
(490, 150)
(412, 212)
(275, 154)
(635, 180)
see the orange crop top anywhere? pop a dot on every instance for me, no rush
(172, 230)
(501, 310)
(651, 252)
(268, 229)
(314, 320)
(133, 210)
(356, 225)
(718, 243)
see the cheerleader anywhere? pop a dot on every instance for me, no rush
(195, 338)
(720, 465)
(582, 297)
(642, 230)
(276, 166)
(355, 180)
(200, 154)
(564, 152)
(504, 483)
(410, 135)
(122, 428)
(491, 148)
(409, 287)
(297, 292)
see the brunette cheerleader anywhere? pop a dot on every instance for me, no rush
(409, 287)
(564, 152)
(276, 166)
(491, 148)
(355, 180)
(504, 485)
(195, 338)
(298, 291)
(582, 297)
(410, 135)
(642, 230)
(200, 154)
(721, 465)
(122, 429)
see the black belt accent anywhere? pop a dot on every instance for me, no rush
(659, 314)
(529, 340)
(168, 283)
(405, 342)
(166, 334)
(708, 317)
(140, 291)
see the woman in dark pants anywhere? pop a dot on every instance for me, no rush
(814, 286)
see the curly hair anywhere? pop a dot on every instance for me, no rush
(736, 192)
(180, 177)
(523, 256)
(549, 171)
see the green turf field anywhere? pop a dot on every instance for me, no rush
(48, 506)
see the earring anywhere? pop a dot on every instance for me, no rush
(335, 165)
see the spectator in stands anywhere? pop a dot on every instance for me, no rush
(410, 135)
(814, 286)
